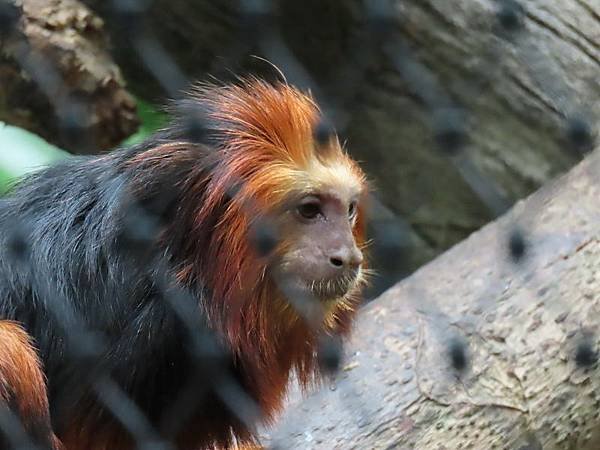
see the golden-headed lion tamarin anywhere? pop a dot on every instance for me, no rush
(257, 161)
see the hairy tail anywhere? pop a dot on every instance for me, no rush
(23, 395)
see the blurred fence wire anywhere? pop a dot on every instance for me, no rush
(259, 28)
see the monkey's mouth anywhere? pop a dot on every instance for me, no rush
(332, 289)
(299, 290)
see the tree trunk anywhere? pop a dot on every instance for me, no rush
(476, 351)
(522, 75)
(56, 78)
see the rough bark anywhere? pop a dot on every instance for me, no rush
(57, 80)
(529, 330)
(517, 88)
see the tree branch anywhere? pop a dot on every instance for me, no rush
(57, 79)
(476, 350)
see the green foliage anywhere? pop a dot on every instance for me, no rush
(5, 179)
(152, 119)
(21, 152)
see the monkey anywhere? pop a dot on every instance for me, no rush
(97, 253)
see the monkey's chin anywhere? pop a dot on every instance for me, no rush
(316, 305)
(302, 290)
(331, 291)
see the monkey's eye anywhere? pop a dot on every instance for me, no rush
(352, 210)
(309, 209)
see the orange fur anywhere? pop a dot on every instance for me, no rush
(22, 383)
(270, 153)
(266, 153)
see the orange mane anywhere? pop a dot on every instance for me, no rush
(263, 139)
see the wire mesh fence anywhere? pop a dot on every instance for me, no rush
(131, 264)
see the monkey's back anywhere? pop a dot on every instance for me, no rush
(64, 274)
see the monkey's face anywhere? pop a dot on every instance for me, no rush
(320, 255)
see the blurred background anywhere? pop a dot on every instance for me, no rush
(456, 109)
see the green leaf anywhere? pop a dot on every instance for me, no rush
(5, 180)
(22, 152)
(152, 119)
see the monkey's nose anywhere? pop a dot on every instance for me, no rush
(346, 258)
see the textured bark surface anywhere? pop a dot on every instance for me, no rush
(516, 88)
(54, 67)
(523, 325)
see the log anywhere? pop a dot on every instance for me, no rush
(477, 350)
(523, 77)
(57, 78)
